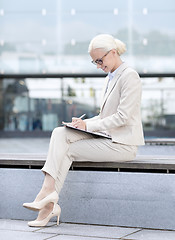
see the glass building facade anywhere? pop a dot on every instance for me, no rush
(52, 37)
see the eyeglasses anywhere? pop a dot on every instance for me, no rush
(100, 60)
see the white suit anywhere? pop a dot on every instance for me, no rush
(119, 116)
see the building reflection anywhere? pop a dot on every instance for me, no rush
(20, 110)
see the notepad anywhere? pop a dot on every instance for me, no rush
(95, 134)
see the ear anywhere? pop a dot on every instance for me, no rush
(114, 51)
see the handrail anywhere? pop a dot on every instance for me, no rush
(76, 75)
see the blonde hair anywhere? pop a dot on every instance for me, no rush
(107, 42)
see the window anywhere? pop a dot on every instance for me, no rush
(46, 36)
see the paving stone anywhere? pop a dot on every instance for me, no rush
(15, 225)
(20, 235)
(18, 230)
(152, 235)
(64, 237)
(89, 230)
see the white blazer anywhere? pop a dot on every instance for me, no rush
(120, 114)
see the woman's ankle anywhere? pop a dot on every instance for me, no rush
(45, 191)
(49, 206)
(44, 212)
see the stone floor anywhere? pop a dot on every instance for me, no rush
(16, 230)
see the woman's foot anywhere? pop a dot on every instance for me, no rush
(44, 212)
(37, 205)
(43, 193)
(44, 216)
(46, 195)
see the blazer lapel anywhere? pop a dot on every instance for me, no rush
(113, 83)
(104, 87)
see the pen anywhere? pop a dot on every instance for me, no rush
(82, 116)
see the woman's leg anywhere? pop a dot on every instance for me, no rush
(95, 150)
(77, 147)
(47, 187)
(68, 145)
(57, 165)
(101, 150)
(57, 161)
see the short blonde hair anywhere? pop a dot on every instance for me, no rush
(107, 42)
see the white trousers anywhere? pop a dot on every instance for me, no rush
(67, 145)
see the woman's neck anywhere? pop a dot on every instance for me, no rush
(118, 63)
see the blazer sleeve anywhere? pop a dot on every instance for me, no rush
(92, 119)
(130, 99)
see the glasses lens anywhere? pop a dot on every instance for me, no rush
(100, 61)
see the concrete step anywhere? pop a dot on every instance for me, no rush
(96, 197)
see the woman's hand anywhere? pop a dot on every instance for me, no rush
(78, 123)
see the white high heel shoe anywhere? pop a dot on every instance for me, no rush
(36, 206)
(55, 212)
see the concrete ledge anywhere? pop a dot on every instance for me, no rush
(107, 198)
(141, 162)
(160, 141)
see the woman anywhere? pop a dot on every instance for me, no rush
(119, 117)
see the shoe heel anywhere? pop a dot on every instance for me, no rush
(58, 213)
(58, 220)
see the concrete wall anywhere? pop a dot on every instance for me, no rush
(109, 198)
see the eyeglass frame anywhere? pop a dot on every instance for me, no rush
(100, 60)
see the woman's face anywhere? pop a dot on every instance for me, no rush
(107, 61)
